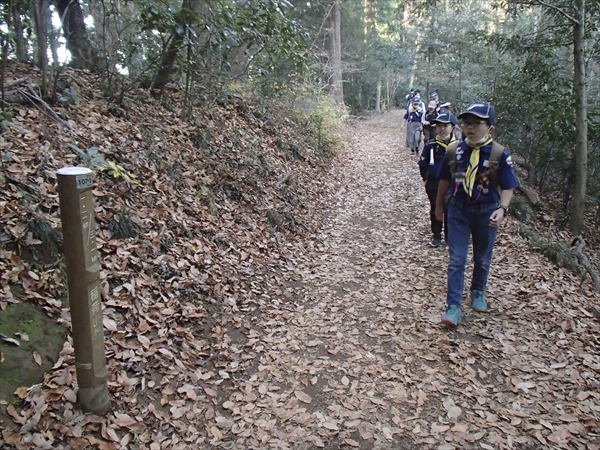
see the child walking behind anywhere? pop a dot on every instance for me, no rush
(429, 165)
(413, 117)
(476, 209)
(427, 121)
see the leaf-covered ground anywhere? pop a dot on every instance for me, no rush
(305, 315)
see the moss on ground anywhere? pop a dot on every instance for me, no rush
(35, 332)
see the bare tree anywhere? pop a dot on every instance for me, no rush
(21, 43)
(167, 63)
(581, 124)
(335, 42)
(40, 13)
(78, 42)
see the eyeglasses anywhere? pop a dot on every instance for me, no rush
(472, 124)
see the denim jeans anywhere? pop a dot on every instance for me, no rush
(466, 221)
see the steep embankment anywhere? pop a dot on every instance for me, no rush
(201, 227)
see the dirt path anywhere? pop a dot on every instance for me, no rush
(356, 358)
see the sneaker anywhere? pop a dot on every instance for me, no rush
(478, 302)
(437, 241)
(453, 316)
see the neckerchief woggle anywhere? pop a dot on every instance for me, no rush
(471, 175)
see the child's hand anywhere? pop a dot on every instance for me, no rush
(496, 218)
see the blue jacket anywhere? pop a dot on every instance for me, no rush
(483, 191)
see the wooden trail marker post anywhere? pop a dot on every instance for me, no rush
(81, 257)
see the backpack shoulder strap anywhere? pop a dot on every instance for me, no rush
(495, 158)
(451, 153)
(497, 150)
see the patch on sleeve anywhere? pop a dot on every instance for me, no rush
(509, 161)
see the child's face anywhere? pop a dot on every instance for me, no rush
(443, 130)
(474, 128)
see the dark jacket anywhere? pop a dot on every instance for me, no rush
(430, 170)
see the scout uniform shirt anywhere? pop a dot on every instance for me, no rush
(414, 113)
(483, 189)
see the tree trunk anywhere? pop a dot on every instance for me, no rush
(167, 62)
(388, 97)
(581, 125)
(21, 43)
(378, 102)
(78, 42)
(53, 35)
(336, 41)
(108, 31)
(40, 13)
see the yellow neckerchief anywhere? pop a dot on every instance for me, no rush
(471, 174)
(415, 108)
(439, 141)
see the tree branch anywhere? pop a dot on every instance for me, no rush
(557, 9)
(558, 44)
(35, 100)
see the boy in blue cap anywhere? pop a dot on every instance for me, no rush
(476, 208)
(429, 165)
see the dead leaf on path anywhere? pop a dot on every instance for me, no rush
(124, 420)
(9, 340)
(70, 396)
(460, 428)
(454, 412)
(23, 336)
(435, 428)
(210, 391)
(305, 398)
(217, 434)
(352, 423)
(330, 426)
(569, 418)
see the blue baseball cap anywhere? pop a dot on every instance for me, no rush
(482, 110)
(434, 95)
(445, 116)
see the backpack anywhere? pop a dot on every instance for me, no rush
(494, 162)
